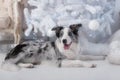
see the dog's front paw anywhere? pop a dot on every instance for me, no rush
(93, 66)
(90, 65)
(30, 66)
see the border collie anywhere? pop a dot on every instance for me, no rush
(64, 51)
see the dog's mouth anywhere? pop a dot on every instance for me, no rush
(67, 46)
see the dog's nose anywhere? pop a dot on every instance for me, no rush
(64, 41)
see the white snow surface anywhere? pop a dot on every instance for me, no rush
(103, 71)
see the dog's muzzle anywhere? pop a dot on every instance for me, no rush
(67, 46)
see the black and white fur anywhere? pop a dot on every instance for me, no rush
(30, 53)
(64, 51)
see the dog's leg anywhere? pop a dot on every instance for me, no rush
(76, 63)
(91, 57)
(26, 65)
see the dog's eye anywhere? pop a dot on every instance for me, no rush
(61, 34)
(70, 33)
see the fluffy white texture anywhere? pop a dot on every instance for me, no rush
(114, 48)
(114, 56)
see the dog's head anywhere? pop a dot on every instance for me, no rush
(67, 35)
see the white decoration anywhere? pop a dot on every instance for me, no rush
(91, 9)
(47, 24)
(48, 13)
(28, 22)
(94, 25)
(114, 48)
(114, 56)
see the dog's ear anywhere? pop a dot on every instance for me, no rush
(57, 30)
(75, 28)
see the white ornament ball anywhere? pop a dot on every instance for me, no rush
(94, 25)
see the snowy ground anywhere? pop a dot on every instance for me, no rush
(104, 71)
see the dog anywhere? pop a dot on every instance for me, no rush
(64, 51)
(68, 43)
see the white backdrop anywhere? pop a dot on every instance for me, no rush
(95, 15)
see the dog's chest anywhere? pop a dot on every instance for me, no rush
(71, 53)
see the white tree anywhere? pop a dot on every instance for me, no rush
(95, 15)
